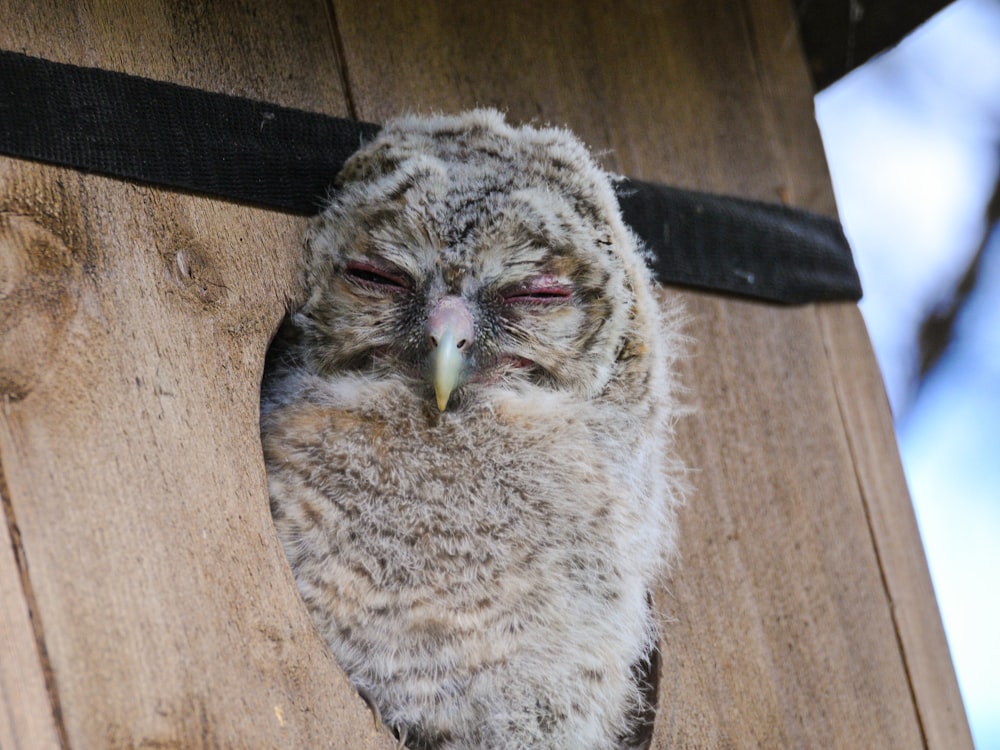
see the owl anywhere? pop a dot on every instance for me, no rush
(467, 431)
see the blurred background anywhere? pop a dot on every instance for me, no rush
(912, 137)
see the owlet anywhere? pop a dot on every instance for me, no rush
(467, 436)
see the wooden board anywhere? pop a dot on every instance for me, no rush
(25, 721)
(868, 420)
(134, 323)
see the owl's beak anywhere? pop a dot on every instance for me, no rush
(446, 364)
(450, 331)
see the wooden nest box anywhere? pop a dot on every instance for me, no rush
(146, 602)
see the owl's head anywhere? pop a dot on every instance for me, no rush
(462, 253)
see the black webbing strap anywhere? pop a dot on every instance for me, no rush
(727, 244)
(229, 147)
(173, 136)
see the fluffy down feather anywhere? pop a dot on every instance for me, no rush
(479, 561)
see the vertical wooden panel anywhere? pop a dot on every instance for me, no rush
(894, 528)
(26, 718)
(135, 324)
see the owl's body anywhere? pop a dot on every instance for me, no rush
(467, 437)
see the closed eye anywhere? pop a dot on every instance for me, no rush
(540, 290)
(377, 278)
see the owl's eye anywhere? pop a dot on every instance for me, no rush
(543, 289)
(377, 278)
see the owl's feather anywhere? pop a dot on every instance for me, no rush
(478, 555)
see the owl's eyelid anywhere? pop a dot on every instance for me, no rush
(541, 289)
(374, 274)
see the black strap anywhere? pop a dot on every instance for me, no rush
(727, 244)
(254, 152)
(173, 136)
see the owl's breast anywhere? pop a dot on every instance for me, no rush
(408, 498)
(490, 547)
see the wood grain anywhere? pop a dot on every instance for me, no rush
(921, 633)
(135, 324)
(783, 629)
(24, 720)
(868, 425)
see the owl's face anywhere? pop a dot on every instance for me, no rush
(462, 253)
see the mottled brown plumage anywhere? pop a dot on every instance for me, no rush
(467, 437)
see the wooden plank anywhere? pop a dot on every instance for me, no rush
(135, 324)
(795, 645)
(781, 628)
(868, 424)
(894, 526)
(24, 722)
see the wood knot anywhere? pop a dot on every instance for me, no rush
(193, 269)
(37, 301)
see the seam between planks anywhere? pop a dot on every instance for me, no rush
(33, 613)
(865, 506)
(340, 53)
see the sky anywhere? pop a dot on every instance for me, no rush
(913, 143)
